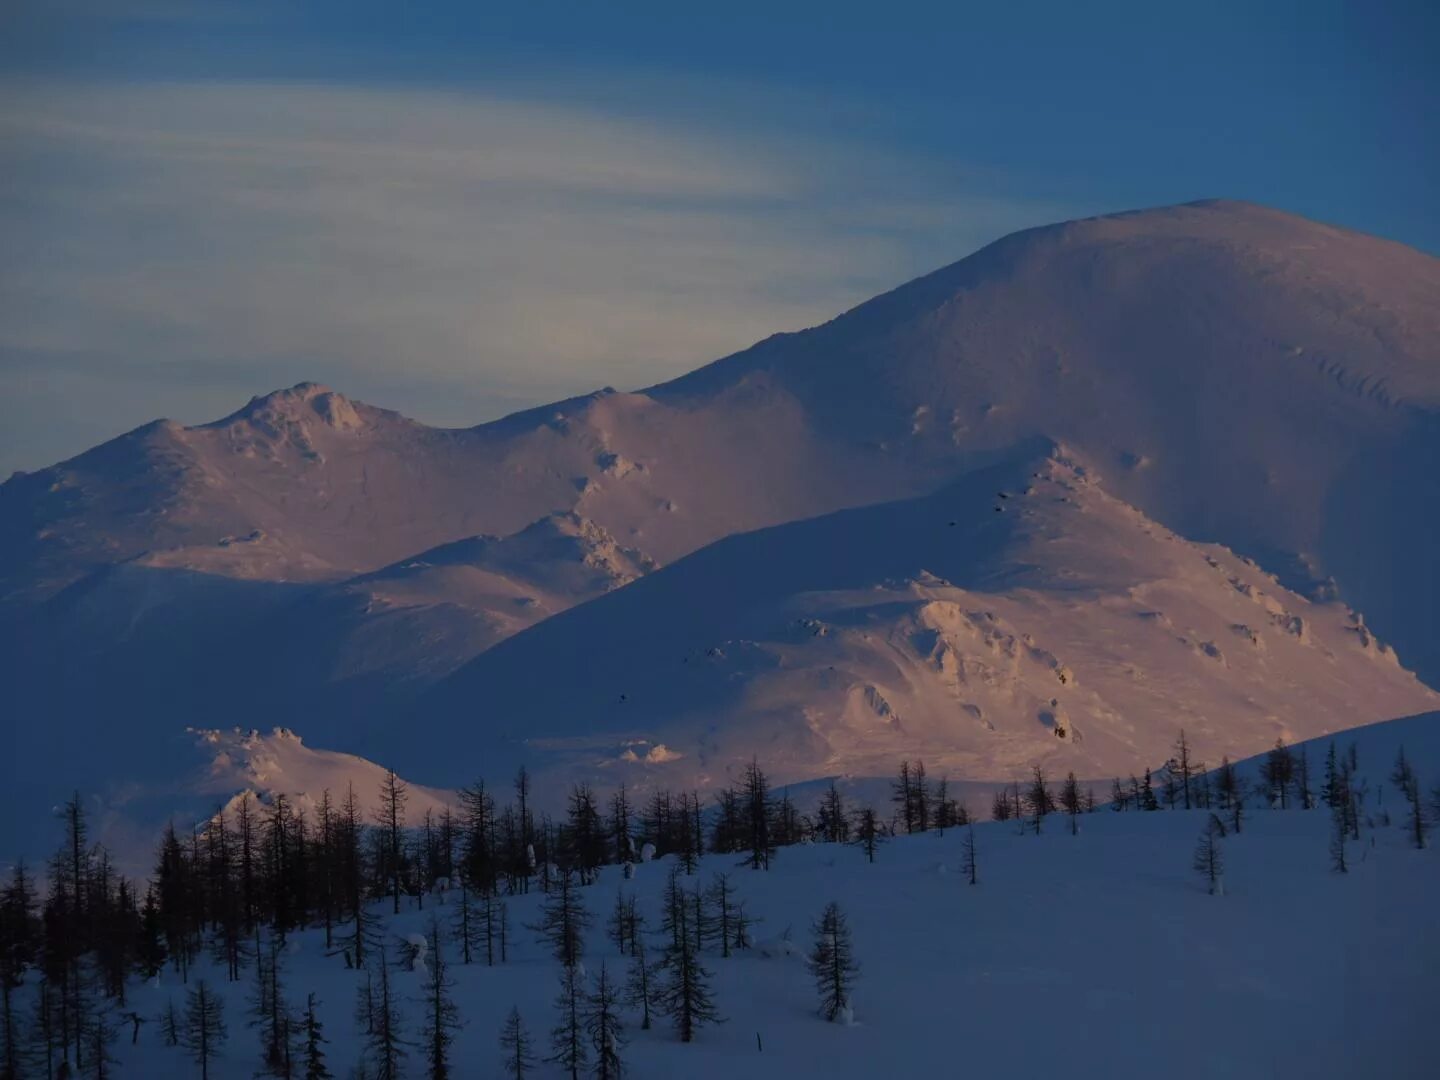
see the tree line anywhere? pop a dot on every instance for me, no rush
(236, 884)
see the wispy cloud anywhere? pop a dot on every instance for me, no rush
(173, 246)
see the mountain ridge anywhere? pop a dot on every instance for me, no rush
(1238, 376)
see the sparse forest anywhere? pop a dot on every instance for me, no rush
(82, 945)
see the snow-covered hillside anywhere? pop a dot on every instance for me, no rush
(187, 779)
(1251, 372)
(1102, 951)
(420, 618)
(1020, 616)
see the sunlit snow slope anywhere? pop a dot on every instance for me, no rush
(1021, 615)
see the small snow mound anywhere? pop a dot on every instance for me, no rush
(417, 945)
(780, 947)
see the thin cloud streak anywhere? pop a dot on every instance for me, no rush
(496, 252)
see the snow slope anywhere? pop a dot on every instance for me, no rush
(188, 778)
(420, 618)
(1239, 375)
(193, 649)
(1261, 381)
(1022, 615)
(1095, 953)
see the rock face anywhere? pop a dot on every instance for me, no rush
(1240, 376)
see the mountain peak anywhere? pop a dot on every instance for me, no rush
(292, 414)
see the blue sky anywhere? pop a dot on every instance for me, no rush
(461, 209)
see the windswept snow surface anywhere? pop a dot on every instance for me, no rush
(1021, 616)
(1096, 954)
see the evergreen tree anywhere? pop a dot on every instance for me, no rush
(758, 812)
(480, 860)
(832, 824)
(100, 1032)
(170, 1024)
(688, 843)
(1170, 792)
(911, 795)
(639, 986)
(518, 1047)
(867, 832)
(269, 1011)
(832, 962)
(1332, 776)
(1406, 782)
(1302, 780)
(442, 1019)
(1071, 802)
(920, 796)
(394, 793)
(1118, 801)
(1147, 799)
(723, 903)
(47, 1041)
(465, 924)
(900, 795)
(700, 917)
(948, 811)
(494, 924)
(351, 878)
(728, 833)
(967, 863)
(203, 1033)
(685, 992)
(603, 1026)
(1277, 772)
(564, 921)
(1183, 768)
(365, 1003)
(1038, 800)
(1338, 797)
(525, 824)
(742, 925)
(622, 924)
(620, 825)
(20, 940)
(326, 875)
(1000, 808)
(313, 1032)
(386, 1037)
(150, 952)
(567, 1037)
(11, 1043)
(587, 841)
(1208, 859)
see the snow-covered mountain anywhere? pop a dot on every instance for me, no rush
(1239, 376)
(1022, 615)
